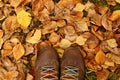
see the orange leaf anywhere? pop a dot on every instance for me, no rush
(100, 57)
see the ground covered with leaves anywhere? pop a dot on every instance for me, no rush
(28, 25)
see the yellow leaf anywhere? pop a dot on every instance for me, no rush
(79, 7)
(64, 43)
(24, 19)
(81, 40)
(112, 43)
(100, 57)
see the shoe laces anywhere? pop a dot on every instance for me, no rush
(70, 73)
(48, 73)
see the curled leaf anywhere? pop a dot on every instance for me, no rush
(107, 24)
(34, 36)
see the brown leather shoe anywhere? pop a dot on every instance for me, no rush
(72, 65)
(47, 64)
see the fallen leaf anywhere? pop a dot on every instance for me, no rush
(29, 77)
(118, 1)
(54, 37)
(6, 52)
(24, 19)
(10, 24)
(18, 51)
(64, 43)
(107, 24)
(79, 7)
(80, 40)
(1, 33)
(115, 15)
(112, 43)
(109, 62)
(102, 75)
(100, 57)
(81, 26)
(34, 36)
(1, 42)
(113, 57)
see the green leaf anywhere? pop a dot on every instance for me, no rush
(90, 75)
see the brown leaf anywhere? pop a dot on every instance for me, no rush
(102, 75)
(107, 24)
(10, 24)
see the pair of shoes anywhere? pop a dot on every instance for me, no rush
(71, 67)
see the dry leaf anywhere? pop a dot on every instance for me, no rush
(81, 26)
(100, 57)
(79, 7)
(6, 52)
(61, 23)
(102, 75)
(11, 75)
(34, 36)
(10, 24)
(113, 57)
(18, 51)
(115, 15)
(7, 45)
(1, 33)
(112, 43)
(118, 1)
(108, 62)
(107, 24)
(71, 37)
(54, 37)
(96, 18)
(24, 19)
(67, 4)
(97, 33)
(29, 77)
(17, 3)
(28, 48)
(111, 2)
(80, 40)
(1, 42)
(64, 43)
(37, 6)
(69, 30)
